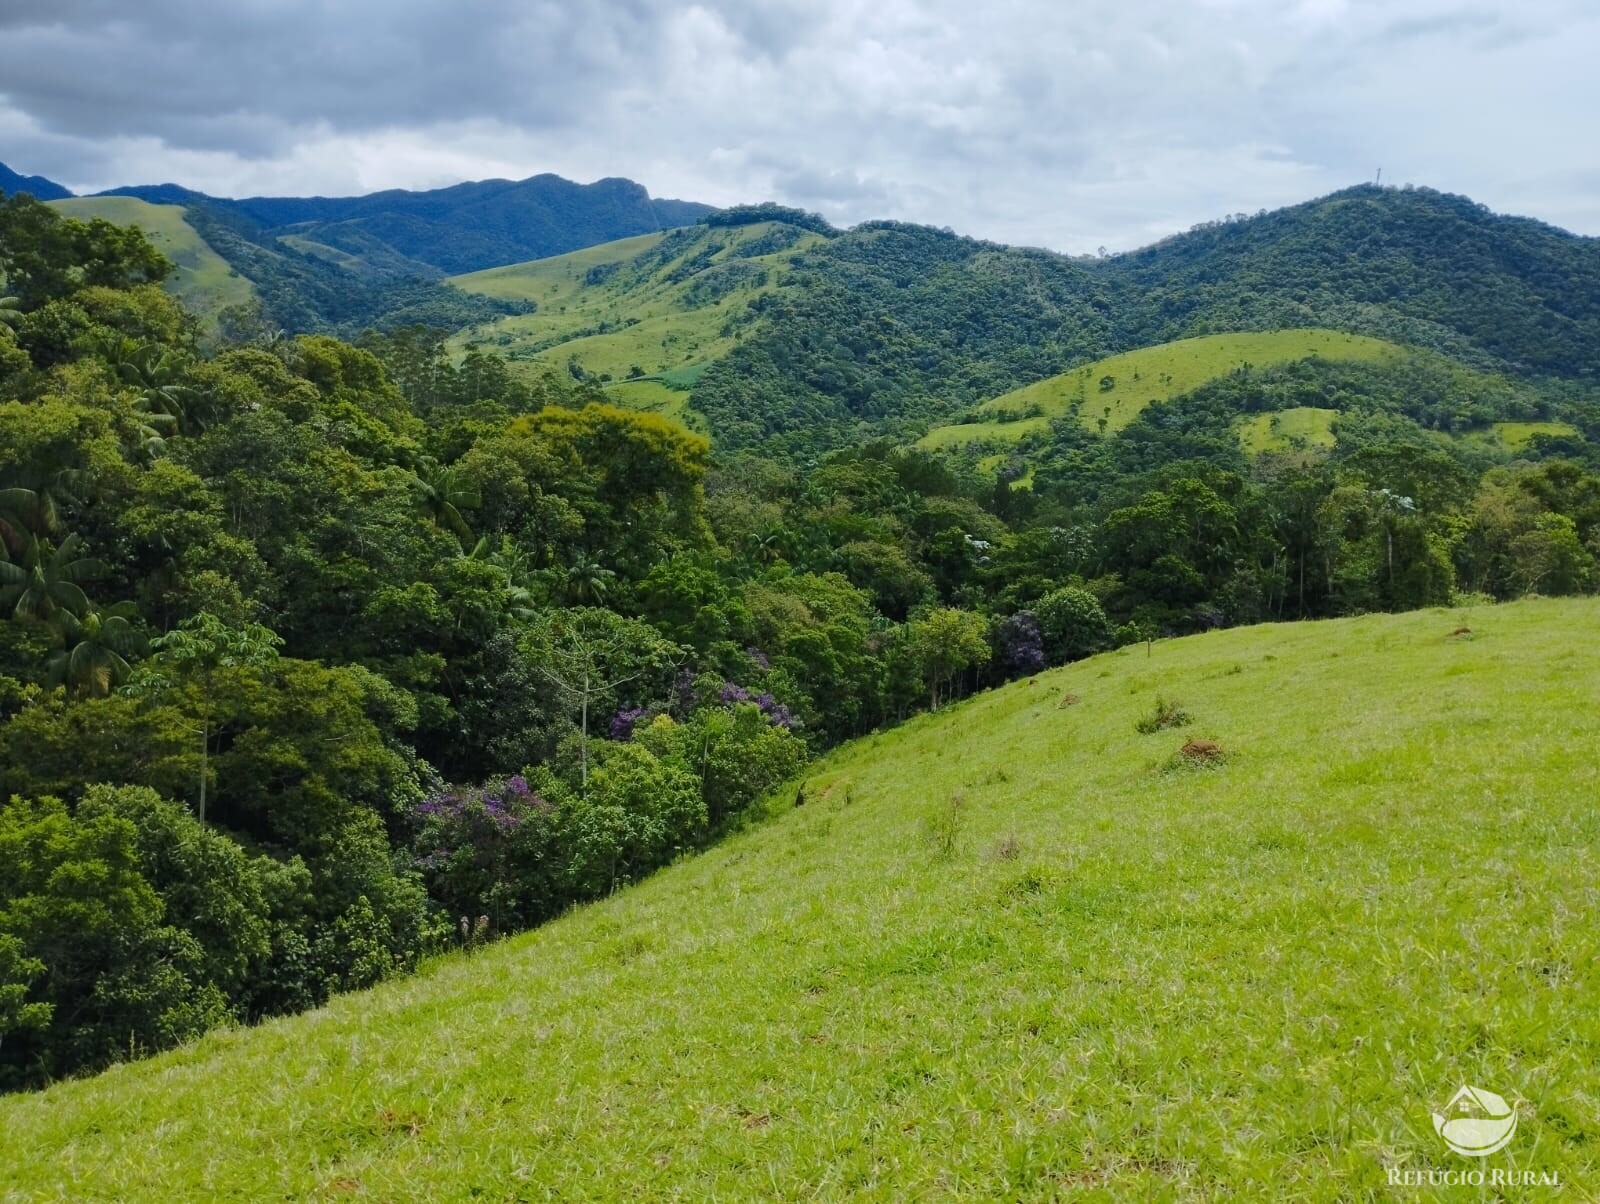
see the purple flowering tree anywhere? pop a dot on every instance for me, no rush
(1019, 644)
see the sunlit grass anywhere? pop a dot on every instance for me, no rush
(204, 281)
(1517, 435)
(1009, 951)
(650, 323)
(1303, 428)
(1110, 393)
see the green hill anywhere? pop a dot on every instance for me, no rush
(1015, 950)
(1117, 388)
(892, 329)
(204, 281)
(652, 305)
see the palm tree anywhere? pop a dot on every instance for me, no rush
(156, 376)
(33, 498)
(441, 492)
(768, 548)
(94, 649)
(48, 581)
(586, 581)
(17, 505)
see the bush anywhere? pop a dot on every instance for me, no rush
(1073, 624)
(1167, 713)
(485, 851)
(737, 753)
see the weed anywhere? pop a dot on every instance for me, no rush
(941, 831)
(1168, 713)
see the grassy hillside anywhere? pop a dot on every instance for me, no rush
(204, 281)
(1517, 435)
(659, 303)
(1117, 388)
(1011, 951)
(1307, 428)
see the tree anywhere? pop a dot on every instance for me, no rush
(586, 582)
(44, 255)
(17, 973)
(1074, 624)
(442, 492)
(196, 653)
(74, 898)
(48, 580)
(589, 654)
(95, 648)
(948, 643)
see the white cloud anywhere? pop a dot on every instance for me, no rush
(1106, 122)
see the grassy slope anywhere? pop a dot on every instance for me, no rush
(1244, 982)
(203, 282)
(1516, 435)
(1155, 374)
(669, 334)
(1308, 427)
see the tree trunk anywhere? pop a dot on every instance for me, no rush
(205, 752)
(583, 741)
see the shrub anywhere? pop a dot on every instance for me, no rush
(1073, 624)
(1019, 644)
(484, 851)
(1167, 714)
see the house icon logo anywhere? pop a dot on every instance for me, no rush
(1476, 1122)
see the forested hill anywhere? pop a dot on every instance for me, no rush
(1410, 261)
(891, 325)
(37, 187)
(463, 228)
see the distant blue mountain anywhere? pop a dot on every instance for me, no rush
(462, 228)
(37, 186)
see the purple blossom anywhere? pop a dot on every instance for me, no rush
(625, 720)
(777, 714)
(684, 696)
(1021, 644)
(759, 657)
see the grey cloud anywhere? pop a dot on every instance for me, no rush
(1106, 121)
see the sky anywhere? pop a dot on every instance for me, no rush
(1071, 125)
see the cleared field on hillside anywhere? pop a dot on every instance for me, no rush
(1015, 950)
(1116, 389)
(1517, 435)
(1307, 428)
(658, 302)
(203, 282)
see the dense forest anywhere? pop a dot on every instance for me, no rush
(318, 657)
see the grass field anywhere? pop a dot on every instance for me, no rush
(1517, 435)
(656, 310)
(1304, 428)
(1152, 374)
(1012, 951)
(657, 398)
(944, 437)
(203, 282)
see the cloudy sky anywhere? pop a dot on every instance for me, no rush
(1064, 123)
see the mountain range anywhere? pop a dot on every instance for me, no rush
(439, 231)
(769, 328)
